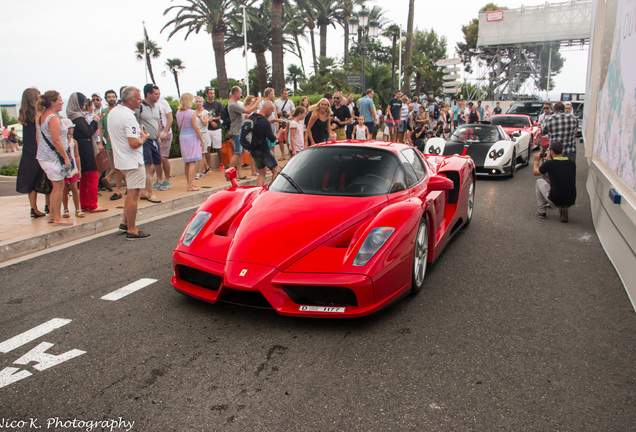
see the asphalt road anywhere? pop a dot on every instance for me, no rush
(523, 325)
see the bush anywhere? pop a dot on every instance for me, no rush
(8, 170)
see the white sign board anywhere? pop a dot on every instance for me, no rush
(448, 62)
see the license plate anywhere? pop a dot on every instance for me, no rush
(321, 309)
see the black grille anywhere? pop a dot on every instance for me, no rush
(199, 278)
(321, 295)
(245, 298)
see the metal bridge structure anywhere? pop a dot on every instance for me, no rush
(515, 46)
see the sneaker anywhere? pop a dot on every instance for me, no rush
(165, 185)
(156, 186)
(139, 236)
(205, 171)
(564, 215)
(197, 177)
(221, 167)
(541, 215)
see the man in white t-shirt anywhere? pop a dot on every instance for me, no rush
(284, 107)
(127, 140)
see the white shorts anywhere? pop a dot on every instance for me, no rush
(135, 178)
(165, 146)
(53, 170)
(216, 137)
(206, 142)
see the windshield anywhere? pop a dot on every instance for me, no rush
(475, 133)
(510, 121)
(338, 171)
(530, 108)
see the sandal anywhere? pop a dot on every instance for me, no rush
(37, 214)
(98, 210)
(79, 214)
(64, 223)
(154, 200)
(66, 214)
(193, 189)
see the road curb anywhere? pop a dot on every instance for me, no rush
(25, 245)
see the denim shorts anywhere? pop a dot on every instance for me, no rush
(403, 126)
(238, 148)
(264, 159)
(152, 154)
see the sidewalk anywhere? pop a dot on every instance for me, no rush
(21, 235)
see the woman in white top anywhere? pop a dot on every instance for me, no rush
(202, 117)
(51, 150)
(361, 131)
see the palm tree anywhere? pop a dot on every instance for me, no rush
(259, 31)
(174, 66)
(210, 16)
(393, 32)
(152, 51)
(278, 67)
(294, 76)
(406, 85)
(327, 12)
(310, 17)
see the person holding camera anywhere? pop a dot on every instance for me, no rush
(561, 190)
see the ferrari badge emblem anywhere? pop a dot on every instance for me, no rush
(243, 272)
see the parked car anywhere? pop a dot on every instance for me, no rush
(512, 123)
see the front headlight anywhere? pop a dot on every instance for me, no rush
(194, 227)
(372, 244)
(494, 154)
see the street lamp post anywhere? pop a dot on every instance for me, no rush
(363, 23)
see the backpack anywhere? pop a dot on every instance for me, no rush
(247, 135)
(225, 118)
(436, 112)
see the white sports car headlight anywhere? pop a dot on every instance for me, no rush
(194, 227)
(372, 244)
(496, 154)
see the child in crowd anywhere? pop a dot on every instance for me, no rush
(72, 177)
(297, 128)
(361, 132)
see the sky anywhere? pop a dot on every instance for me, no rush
(89, 47)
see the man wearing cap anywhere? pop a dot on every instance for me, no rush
(149, 117)
(127, 139)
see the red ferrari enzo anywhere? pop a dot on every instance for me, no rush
(344, 230)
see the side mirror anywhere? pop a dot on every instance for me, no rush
(440, 183)
(230, 174)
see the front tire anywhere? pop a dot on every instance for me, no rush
(471, 201)
(420, 257)
(513, 163)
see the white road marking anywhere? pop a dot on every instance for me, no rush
(45, 360)
(128, 289)
(33, 334)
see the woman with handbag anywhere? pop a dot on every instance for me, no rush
(29, 171)
(83, 135)
(51, 154)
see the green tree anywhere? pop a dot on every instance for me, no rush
(295, 26)
(152, 50)
(346, 6)
(7, 119)
(429, 47)
(328, 12)
(295, 76)
(175, 66)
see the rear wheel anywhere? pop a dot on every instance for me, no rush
(420, 256)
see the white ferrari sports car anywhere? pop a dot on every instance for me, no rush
(493, 151)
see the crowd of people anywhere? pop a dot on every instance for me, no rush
(128, 139)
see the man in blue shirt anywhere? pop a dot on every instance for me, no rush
(367, 110)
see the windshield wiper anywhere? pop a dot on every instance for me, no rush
(293, 183)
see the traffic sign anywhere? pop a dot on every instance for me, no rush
(452, 76)
(448, 62)
(453, 90)
(451, 69)
(451, 83)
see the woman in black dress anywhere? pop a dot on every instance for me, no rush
(319, 126)
(83, 133)
(29, 168)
